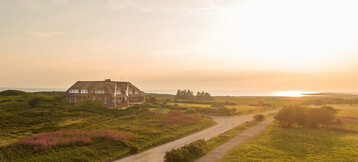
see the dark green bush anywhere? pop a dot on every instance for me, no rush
(134, 149)
(187, 152)
(310, 117)
(258, 117)
(36, 101)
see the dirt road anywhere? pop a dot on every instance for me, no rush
(224, 123)
(223, 149)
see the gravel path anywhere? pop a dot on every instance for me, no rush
(224, 123)
(222, 150)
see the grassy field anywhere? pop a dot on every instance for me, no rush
(302, 144)
(280, 144)
(346, 109)
(146, 125)
(190, 105)
(239, 109)
(144, 128)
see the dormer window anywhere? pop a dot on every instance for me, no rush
(99, 91)
(118, 92)
(84, 91)
(73, 90)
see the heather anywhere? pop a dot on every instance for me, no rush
(62, 138)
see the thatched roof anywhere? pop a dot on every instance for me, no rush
(108, 86)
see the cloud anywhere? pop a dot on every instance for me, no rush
(43, 34)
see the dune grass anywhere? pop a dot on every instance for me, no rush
(145, 129)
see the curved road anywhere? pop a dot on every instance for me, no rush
(224, 123)
(220, 151)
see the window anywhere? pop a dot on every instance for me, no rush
(136, 92)
(84, 91)
(130, 92)
(73, 90)
(99, 91)
(105, 100)
(118, 92)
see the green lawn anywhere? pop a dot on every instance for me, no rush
(282, 144)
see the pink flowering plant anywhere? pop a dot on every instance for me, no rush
(61, 138)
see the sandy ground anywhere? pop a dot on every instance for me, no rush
(224, 123)
(222, 150)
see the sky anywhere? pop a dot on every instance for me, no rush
(164, 45)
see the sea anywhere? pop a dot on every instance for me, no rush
(212, 92)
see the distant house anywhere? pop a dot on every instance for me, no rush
(109, 93)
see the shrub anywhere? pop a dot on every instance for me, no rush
(134, 149)
(311, 117)
(12, 93)
(258, 117)
(187, 152)
(151, 99)
(36, 101)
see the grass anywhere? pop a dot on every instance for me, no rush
(62, 138)
(221, 139)
(239, 109)
(190, 105)
(145, 128)
(226, 136)
(301, 144)
(281, 144)
(346, 109)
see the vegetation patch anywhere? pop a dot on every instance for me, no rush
(20, 120)
(62, 138)
(311, 117)
(187, 152)
(259, 117)
(184, 153)
(300, 144)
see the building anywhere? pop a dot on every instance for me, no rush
(109, 93)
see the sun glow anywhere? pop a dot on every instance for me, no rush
(293, 93)
(286, 36)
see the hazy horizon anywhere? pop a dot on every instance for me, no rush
(212, 92)
(211, 45)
